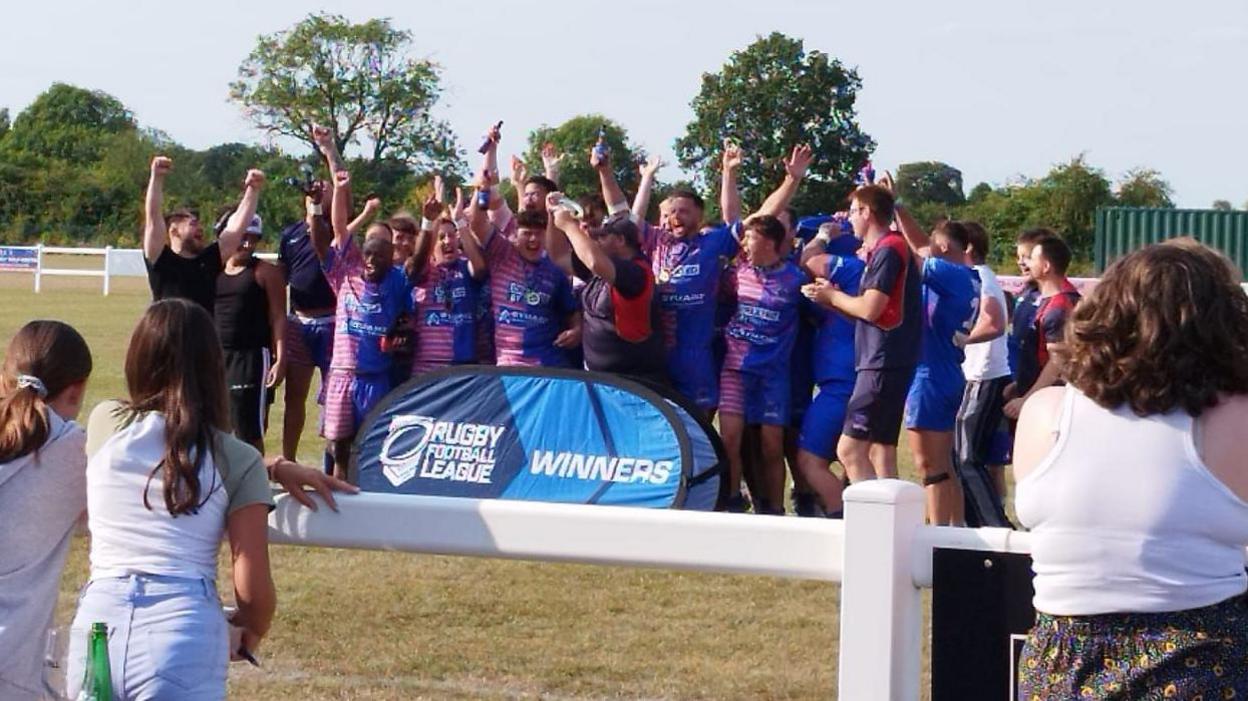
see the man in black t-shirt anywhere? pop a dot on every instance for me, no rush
(621, 310)
(178, 262)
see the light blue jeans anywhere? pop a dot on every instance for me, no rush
(167, 637)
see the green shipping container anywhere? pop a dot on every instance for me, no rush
(1120, 230)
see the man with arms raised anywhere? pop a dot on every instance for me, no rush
(178, 262)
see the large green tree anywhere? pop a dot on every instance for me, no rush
(769, 97)
(69, 123)
(1144, 187)
(930, 181)
(574, 139)
(361, 80)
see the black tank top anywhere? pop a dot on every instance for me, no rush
(242, 311)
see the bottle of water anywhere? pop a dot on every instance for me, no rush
(97, 682)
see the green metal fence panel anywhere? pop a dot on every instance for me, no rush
(1120, 230)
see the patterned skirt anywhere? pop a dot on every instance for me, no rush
(1195, 654)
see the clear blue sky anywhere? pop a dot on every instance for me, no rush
(996, 88)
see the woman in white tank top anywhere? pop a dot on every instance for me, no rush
(1133, 483)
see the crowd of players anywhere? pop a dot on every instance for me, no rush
(814, 338)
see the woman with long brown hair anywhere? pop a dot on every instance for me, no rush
(165, 482)
(1133, 483)
(42, 490)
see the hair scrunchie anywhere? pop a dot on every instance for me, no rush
(34, 383)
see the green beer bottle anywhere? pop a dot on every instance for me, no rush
(97, 682)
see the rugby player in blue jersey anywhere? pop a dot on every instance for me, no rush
(950, 306)
(831, 257)
(887, 337)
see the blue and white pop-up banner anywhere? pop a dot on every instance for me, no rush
(539, 435)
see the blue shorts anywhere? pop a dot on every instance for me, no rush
(694, 376)
(348, 400)
(821, 428)
(760, 399)
(310, 341)
(932, 404)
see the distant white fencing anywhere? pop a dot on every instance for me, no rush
(881, 553)
(117, 262)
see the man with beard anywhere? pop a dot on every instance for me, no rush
(178, 262)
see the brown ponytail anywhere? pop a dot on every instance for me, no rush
(174, 366)
(56, 357)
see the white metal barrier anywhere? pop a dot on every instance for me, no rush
(881, 553)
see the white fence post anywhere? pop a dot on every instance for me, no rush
(881, 615)
(38, 266)
(108, 259)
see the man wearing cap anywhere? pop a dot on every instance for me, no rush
(621, 309)
(178, 262)
(251, 322)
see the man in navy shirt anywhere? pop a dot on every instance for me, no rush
(887, 337)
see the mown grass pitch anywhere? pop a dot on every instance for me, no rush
(377, 625)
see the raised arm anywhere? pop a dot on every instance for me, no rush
(342, 205)
(586, 249)
(641, 203)
(371, 207)
(318, 230)
(154, 228)
(232, 236)
(519, 173)
(794, 170)
(552, 162)
(470, 241)
(918, 239)
(612, 194)
(729, 192)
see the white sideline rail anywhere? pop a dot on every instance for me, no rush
(602, 535)
(880, 553)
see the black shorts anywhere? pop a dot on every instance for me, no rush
(245, 373)
(877, 404)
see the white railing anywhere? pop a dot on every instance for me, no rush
(118, 262)
(881, 553)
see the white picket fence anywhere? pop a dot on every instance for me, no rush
(881, 553)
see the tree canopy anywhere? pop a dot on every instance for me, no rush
(768, 98)
(358, 79)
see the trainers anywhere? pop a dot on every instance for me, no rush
(805, 504)
(737, 504)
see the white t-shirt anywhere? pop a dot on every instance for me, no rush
(987, 360)
(126, 536)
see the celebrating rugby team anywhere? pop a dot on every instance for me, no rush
(812, 336)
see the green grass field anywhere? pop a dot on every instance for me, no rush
(378, 625)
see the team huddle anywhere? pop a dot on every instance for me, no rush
(812, 338)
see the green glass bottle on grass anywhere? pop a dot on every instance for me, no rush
(97, 682)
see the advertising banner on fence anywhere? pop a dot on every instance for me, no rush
(19, 258)
(538, 435)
